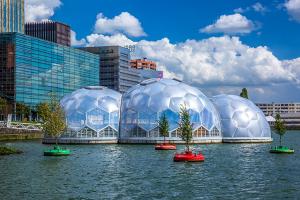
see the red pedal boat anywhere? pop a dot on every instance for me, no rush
(165, 147)
(189, 156)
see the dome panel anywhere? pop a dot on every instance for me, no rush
(240, 118)
(75, 120)
(95, 107)
(97, 119)
(155, 97)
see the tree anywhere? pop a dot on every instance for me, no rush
(43, 110)
(185, 126)
(22, 109)
(3, 104)
(53, 119)
(244, 93)
(163, 125)
(279, 126)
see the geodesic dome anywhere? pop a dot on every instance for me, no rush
(92, 112)
(241, 119)
(144, 104)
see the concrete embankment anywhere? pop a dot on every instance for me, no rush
(19, 134)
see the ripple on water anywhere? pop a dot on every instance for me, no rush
(231, 171)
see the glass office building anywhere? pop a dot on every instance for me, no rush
(31, 69)
(12, 16)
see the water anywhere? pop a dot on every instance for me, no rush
(231, 171)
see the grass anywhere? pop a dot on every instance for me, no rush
(5, 150)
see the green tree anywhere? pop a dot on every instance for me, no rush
(185, 126)
(163, 125)
(279, 127)
(43, 110)
(244, 93)
(22, 109)
(3, 104)
(53, 119)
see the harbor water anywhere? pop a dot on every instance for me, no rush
(230, 171)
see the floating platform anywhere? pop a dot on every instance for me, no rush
(281, 149)
(247, 140)
(147, 140)
(81, 141)
(165, 146)
(57, 151)
(188, 156)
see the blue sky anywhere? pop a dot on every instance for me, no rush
(180, 20)
(219, 46)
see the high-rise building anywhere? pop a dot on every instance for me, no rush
(48, 30)
(31, 69)
(143, 64)
(12, 16)
(115, 70)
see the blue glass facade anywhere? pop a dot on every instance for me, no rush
(33, 69)
(12, 16)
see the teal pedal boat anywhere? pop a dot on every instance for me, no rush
(281, 149)
(57, 151)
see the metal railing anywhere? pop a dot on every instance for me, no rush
(21, 125)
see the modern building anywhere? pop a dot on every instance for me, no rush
(32, 69)
(289, 113)
(92, 115)
(116, 72)
(12, 16)
(273, 108)
(241, 120)
(48, 30)
(291, 120)
(143, 64)
(144, 104)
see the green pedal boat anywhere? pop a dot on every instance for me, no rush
(57, 151)
(281, 149)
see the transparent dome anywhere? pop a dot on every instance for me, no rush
(240, 118)
(145, 103)
(92, 112)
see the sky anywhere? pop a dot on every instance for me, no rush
(219, 46)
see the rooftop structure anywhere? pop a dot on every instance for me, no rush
(143, 64)
(241, 120)
(11, 16)
(116, 72)
(48, 30)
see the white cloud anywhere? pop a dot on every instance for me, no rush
(294, 67)
(217, 60)
(257, 7)
(240, 10)
(230, 24)
(293, 8)
(105, 40)
(124, 23)
(75, 42)
(40, 10)
(214, 61)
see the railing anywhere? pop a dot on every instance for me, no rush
(21, 125)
